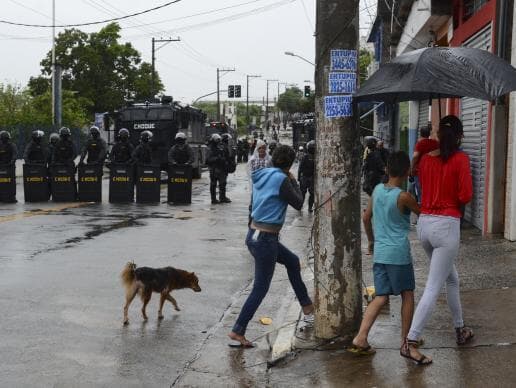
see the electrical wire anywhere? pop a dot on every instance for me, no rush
(310, 23)
(90, 23)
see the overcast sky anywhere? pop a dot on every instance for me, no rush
(248, 35)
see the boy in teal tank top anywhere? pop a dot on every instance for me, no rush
(387, 218)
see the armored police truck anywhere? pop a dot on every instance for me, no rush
(164, 119)
(303, 130)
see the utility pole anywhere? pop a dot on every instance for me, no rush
(153, 59)
(247, 97)
(218, 90)
(267, 104)
(338, 262)
(56, 76)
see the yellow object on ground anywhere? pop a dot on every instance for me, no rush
(265, 321)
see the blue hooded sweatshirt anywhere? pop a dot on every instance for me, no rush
(268, 206)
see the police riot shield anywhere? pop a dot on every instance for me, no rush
(180, 183)
(35, 183)
(148, 184)
(62, 183)
(90, 182)
(121, 183)
(7, 183)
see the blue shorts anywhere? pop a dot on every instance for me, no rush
(391, 279)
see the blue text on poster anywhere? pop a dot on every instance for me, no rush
(337, 106)
(342, 83)
(343, 60)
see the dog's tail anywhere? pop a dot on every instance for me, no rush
(127, 274)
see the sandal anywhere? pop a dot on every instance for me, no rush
(360, 351)
(464, 335)
(405, 352)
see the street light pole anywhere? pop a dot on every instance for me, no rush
(267, 104)
(56, 76)
(247, 97)
(218, 90)
(299, 56)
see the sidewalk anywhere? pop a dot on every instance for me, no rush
(487, 269)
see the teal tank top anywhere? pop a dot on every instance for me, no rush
(391, 227)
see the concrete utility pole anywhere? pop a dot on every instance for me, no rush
(56, 77)
(153, 60)
(247, 98)
(267, 104)
(219, 118)
(338, 265)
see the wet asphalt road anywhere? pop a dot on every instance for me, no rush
(62, 300)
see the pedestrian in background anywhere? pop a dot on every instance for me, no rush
(216, 161)
(446, 184)
(273, 190)
(306, 174)
(374, 167)
(387, 221)
(423, 147)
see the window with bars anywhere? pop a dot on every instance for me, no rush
(472, 6)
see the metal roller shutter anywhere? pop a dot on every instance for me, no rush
(423, 117)
(474, 115)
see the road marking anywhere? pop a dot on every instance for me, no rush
(27, 214)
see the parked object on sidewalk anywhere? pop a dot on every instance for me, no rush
(146, 280)
(440, 72)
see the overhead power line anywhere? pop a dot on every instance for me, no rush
(90, 23)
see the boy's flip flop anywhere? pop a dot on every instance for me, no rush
(242, 345)
(360, 351)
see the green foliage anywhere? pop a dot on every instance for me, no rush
(293, 101)
(364, 60)
(99, 68)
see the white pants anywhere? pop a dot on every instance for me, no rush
(440, 238)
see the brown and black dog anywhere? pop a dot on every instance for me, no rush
(146, 280)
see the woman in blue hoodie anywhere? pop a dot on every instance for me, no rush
(274, 189)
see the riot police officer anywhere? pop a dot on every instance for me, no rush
(8, 151)
(52, 141)
(230, 155)
(95, 148)
(216, 161)
(306, 174)
(272, 146)
(180, 152)
(64, 150)
(240, 150)
(245, 157)
(123, 149)
(142, 154)
(35, 152)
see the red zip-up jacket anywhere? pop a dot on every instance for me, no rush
(445, 186)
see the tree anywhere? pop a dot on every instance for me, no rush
(365, 60)
(99, 68)
(290, 100)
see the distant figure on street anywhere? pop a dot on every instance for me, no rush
(216, 161)
(387, 222)
(8, 151)
(245, 156)
(272, 146)
(273, 190)
(306, 173)
(384, 152)
(230, 167)
(374, 167)
(52, 142)
(123, 149)
(95, 148)
(64, 151)
(260, 159)
(447, 185)
(181, 152)
(36, 152)
(142, 154)
(423, 147)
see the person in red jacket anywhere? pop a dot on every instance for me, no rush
(423, 147)
(446, 184)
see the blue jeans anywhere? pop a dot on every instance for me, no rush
(267, 250)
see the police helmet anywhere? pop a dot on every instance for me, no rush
(310, 146)
(65, 132)
(5, 136)
(94, 132)
(300, 148)
(37, 135)
(226, 137)
(145, 136)
(371, 141)
(180, 137)
(54, 137)
(123, 133)
(215, 138)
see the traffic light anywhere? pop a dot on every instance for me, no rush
(231, 91)
(238, 91)
(307, 90)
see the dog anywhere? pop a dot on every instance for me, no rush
(146, 280)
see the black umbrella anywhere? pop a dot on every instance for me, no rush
(440, 72)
